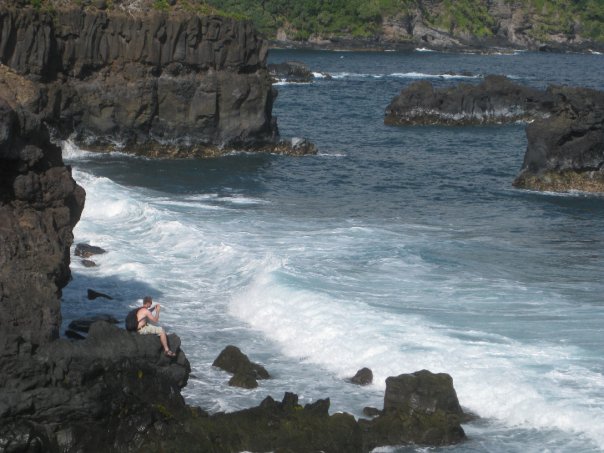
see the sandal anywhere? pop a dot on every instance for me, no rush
(169, 353)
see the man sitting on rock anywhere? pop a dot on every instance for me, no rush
(143, 328)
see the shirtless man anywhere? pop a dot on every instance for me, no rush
(146, 313)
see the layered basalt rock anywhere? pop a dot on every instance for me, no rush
(496, 100)
(159, 84)
(566, 151)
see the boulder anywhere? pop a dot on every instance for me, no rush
(566, 151)
(421, 408)
(362, 377)
(87, 250)
(495, 100)
(421, 391)
(232, 360)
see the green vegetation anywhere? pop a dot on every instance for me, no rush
(161, 5)
(302, 19)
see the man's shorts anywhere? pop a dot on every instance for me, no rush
(149, 330)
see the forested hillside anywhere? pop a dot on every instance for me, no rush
(539, 21)
(530, 24)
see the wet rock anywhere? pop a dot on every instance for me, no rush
(244, 380)
(566, 151)
(421, 408)
(232, 360)
(291, 71)
(88, 263)
(92, 294)
(496, 100)
(371, 411)
(87, 250)
(362, 377)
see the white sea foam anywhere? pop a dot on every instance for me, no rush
(502, 379)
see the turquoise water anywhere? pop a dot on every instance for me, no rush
(398, 249)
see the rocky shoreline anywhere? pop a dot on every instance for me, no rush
(565, 127)
(111, 390)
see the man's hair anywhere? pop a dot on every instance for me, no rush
(147, 299)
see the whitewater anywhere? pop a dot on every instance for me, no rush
(397, 249)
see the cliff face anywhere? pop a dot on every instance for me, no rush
(160, 84)
(566, 151)
(40, 204)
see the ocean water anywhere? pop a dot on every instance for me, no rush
(397, 249)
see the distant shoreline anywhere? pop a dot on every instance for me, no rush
(346, 45)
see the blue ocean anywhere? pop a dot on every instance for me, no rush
(393, 248)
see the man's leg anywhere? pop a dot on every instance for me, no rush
(164, 340)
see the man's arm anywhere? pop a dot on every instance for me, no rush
(149, 313)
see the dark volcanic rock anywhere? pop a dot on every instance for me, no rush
(87, 250)
(83, 324)
(78, 396)
(566, 151)
(420, 407)
(40, 204)
(362, 377)
(245, 372)
(92, 294)
(160, 84)
(496, 100)
(285, 426)
(291, 71)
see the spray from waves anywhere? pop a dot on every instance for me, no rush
(403, 75)
(523, 385)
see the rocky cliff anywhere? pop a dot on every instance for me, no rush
(566, 151)
(40, 204)
(153, 82)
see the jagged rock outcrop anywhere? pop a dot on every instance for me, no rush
(292, 71)
(160, 84)
(108, 392)
(40, 204)
(421, 408)
(566, 151)
(565, 133)
(496, 100)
